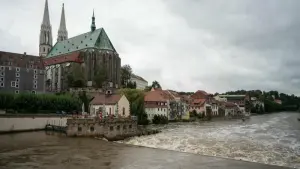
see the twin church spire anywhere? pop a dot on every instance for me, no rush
(46, 31)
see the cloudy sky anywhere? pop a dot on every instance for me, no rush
(186, 45)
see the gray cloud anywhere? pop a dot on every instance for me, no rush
(184, 44)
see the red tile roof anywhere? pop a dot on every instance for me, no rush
(230, 105)
(200, 94)
(106, 99)
(21, 60)
(155, 96)
(70, 57)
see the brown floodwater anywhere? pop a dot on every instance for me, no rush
(56, 151)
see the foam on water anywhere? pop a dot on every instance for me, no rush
(269, 141)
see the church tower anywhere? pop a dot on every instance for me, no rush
(62, 31)
(45, 33)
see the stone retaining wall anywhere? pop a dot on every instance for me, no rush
(111, 129)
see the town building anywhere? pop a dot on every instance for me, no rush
(110, 104)
(177, 105)
(21, 73)
(239, 100)
(156, 103)
(140, 82)
(88, 53)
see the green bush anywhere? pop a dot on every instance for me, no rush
(38, 103)
(160, 119)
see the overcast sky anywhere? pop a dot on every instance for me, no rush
(186, 45)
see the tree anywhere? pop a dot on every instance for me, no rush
(126, 72)
(155, 84)
(131, 85)
(76, 76)
(100, 77)
(86, 100)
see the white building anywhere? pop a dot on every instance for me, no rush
(114, 104)
(141, 83)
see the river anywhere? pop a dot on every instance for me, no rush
(270, 139)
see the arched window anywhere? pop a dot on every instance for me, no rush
(123, 111)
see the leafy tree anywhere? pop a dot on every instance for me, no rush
(76, 76)
(136, 100)
(155, 84)
(160, 119)
(86, 100)
(131, 85)
(126, 73)
(100, 77)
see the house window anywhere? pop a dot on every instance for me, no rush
(33, 92)
(2, 68)
(124, 127)
(44, 49)
(130, 126)
(2, 74)
(35, 81)
(35, 76)
(31, 66)
(17, 80)
(17, 69)
(1, 79)
(17, 74)
(35, 71)
(110, 110)
(9, 68)
(35, 86)
(123, 111)
(79, 129)
(111, 128)
(2, 84)
(92, 128)
(16, 91)
(118, 127)
(13, 84)
(17, 85)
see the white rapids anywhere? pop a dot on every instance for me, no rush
(270, 139)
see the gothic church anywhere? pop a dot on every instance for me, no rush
(88, 52)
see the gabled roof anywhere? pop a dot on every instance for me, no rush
(94, 39)
(155, 96)
(100, 99)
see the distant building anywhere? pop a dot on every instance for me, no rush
(110, 104)
(156, 103)
(141, 83)
(91, 52)
(239, 100)
(278, 101)
(21, 73)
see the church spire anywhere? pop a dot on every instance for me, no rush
(45, 33)
(62, 31)
(93, 26)
(46, 18)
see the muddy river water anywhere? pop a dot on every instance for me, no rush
(268, 139)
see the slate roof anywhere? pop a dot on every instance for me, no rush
(21, 60)
(94, 39)
(138, 77)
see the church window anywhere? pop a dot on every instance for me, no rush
(33, 92)
(2, 79)
(2, 68)
(17, 74)
(1, 84)
(17, 69)
(123, 111)
(16, 91)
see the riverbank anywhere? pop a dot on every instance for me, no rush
(39, 150)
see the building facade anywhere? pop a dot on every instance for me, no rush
(110, 104)
(21, 73)
(90, 53)
(140, 82)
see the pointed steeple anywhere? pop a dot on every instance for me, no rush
(46, 18)
(62, 31)
(45, 33)
(93, 26)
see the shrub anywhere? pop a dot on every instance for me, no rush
(37, 103)
(160, 119)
